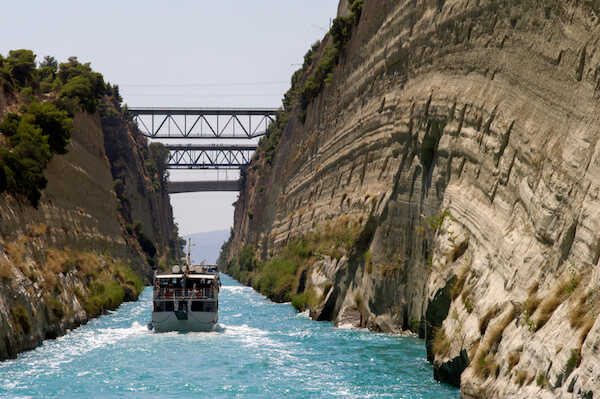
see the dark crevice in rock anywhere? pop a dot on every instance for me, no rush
(450, 372)
(581, 65)
(568, 240)
(437, 311)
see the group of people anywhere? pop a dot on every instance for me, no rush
(170, 289)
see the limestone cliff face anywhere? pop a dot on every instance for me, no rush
(60, 264)
(462, 138)
(145, 197)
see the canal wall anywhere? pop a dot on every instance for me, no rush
(445, 181)
(84, 249)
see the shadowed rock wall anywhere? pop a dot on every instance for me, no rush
(57, 262)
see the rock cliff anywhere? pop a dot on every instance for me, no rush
(450, 172)
(76, 255)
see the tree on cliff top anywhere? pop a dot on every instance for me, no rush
(81, 82)
(23, 167)
(42, 128)
(54, 123)
(22, 63)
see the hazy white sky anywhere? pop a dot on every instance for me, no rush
(178, 53)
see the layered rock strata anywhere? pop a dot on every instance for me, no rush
(462, 138)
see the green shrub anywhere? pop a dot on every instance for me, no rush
(574, 359)
(10, 125)
(247, 258)
(80, 88)
(276, 278)
(150, 167)
(160, 157)
(21, 316)
(6, 79)
(300, 249)
(47, 70)
(73, 68)
(54, 123)
(541, 380)
(113, 92)
(129, 277)
(316, 81)
(24, 165)
(22, 65)
(304, 300)
(356, 7)
(33, 137)
(341, 30)
(57, 307)
(119, 187)
(103, 295)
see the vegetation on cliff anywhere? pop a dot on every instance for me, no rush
(49, 94)
(279, 278)
(322, 73)
(306, 84)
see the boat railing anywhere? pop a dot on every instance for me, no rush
(199, 293)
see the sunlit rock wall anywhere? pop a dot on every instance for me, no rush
(463, 136)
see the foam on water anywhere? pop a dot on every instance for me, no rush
(258, 350)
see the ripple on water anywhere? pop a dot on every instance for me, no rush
(258, 350)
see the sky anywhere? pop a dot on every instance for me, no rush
(187, 53)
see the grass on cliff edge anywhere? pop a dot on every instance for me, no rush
(111, 287)
(109, 281)
(278, 277)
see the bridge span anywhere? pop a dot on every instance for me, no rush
(211, 156)
(202, 123)
(177, 187)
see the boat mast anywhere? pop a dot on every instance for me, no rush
(189, 257)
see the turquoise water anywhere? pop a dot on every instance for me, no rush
(261, 350)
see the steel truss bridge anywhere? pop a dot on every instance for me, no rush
(214, 124)
(203, 123)
(211, 156)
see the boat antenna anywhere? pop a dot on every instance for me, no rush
(189, 259)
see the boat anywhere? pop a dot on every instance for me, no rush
(185, 300)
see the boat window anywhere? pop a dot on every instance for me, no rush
(197, 306)
(163, 306)
(209, 306)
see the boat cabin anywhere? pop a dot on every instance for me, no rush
(181, 286)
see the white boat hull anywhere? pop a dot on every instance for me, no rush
(197, 321)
